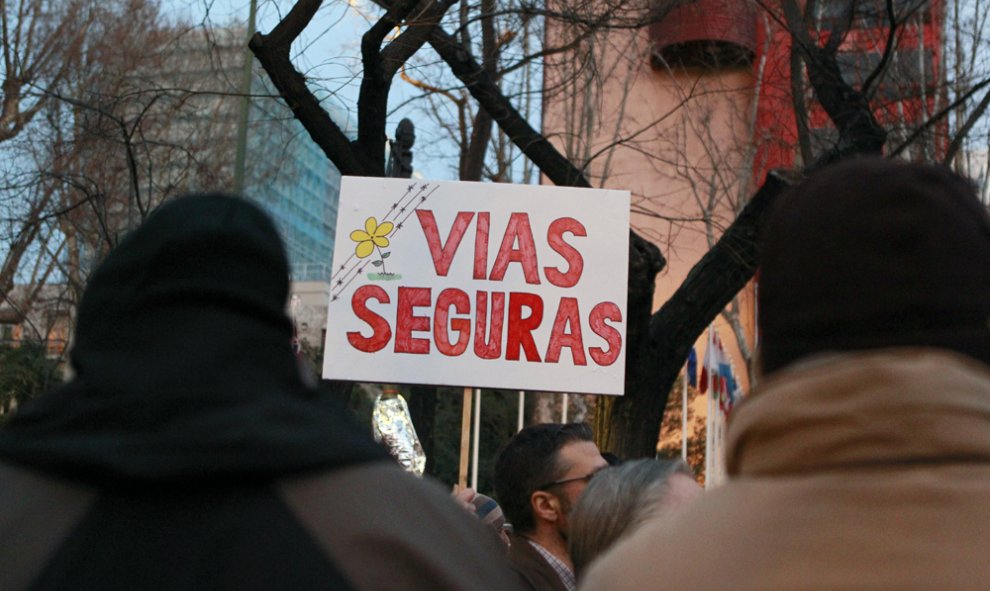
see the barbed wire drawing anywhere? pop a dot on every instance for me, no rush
(414, 196)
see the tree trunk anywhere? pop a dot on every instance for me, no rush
(630, 426)
(621, 425)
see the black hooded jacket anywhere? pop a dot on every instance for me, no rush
(187, 453)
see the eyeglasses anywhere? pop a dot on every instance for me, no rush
(586, 478)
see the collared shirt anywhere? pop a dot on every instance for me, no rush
(565, 573)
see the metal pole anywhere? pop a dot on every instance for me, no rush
(563, 409)
(709, 422)
(684, 418)
(719, 433)
(522, 410)
(240, 156)
(709, 436)
(477, 431)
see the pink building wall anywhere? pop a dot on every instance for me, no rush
(690, 112)
(678, 138)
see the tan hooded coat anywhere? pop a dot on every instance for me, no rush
(867, 471)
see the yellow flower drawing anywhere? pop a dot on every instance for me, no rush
(373, 235)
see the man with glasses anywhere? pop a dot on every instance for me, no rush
(539, 476)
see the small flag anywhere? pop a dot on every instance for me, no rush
(709, 367)
(706, 365)
(717, 369)
(692, 368)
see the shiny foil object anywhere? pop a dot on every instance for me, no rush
(394, 429)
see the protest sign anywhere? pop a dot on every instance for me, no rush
(479, 284)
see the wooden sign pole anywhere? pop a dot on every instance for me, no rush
(462, 473)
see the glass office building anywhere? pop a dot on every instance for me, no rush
(291, 177)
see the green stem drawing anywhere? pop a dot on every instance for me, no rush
(382, 257)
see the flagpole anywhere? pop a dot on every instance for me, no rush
(716, 456)
(721, 446)
(721, 449)
(709, 436)
(477, 438)
(684, 416)
(717, 410)
(709, 422)
(522, 410)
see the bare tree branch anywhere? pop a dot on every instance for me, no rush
(967, 126)
(847, 107)
(272, 52)
(937, 117)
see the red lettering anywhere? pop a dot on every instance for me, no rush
(518, 231)
(381, 332)
(567, 316)
(443, 254)
(462, 305)
(520, 328)
(599, 314)
(406, 322)
(492, 348)
(575, 262)
(481, 245)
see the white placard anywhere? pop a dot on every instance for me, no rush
(479, 284)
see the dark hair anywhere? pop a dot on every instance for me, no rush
(528, 461)
(875, 253)
(611, 458)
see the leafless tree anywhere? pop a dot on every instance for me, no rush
(657, 342)
(41, 42)
(144, 113)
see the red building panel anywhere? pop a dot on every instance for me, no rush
(724, 27)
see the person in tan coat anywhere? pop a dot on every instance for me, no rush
(862, 460)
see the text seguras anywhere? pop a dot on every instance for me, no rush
(492, 324)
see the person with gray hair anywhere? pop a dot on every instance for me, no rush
(621, 498)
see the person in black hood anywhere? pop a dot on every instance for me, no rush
(187, 452)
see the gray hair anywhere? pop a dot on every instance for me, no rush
(616, 502)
